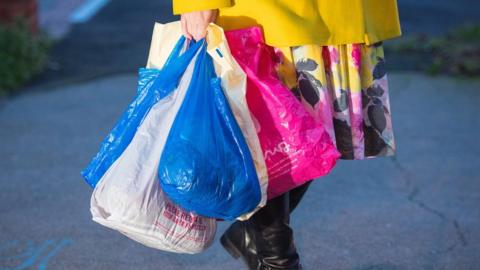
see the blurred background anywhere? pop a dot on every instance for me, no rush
(68, 70)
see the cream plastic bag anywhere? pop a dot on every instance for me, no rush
(234, 84)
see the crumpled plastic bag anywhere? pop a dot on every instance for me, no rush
(206, 166)
(296, 148)
(127, 195)
(150, 91)
(234, 85)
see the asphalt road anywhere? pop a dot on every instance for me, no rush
(417, 210)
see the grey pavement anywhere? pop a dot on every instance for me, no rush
(54, 15)
(114, 41)
(434, 17)
(417, 210)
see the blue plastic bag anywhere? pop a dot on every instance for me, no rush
(153, 85)
(206, 166)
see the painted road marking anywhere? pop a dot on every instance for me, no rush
(87, 10)
(60, 245)
(32, 254)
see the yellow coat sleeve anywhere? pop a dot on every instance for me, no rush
(183, 6)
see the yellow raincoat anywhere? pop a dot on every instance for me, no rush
(302, 22)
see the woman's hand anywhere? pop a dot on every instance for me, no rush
(194, 24)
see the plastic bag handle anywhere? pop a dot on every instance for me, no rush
(175, 54)
(181, 48)
(176, 65)
(218, 48)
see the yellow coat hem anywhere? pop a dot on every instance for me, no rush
(184, 6)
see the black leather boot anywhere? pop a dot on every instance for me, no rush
(238, 238)
(238, 242)
(273, 236)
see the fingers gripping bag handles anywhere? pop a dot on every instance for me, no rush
(234, 84)
(128, 197)
(206, 166)
(296, 148)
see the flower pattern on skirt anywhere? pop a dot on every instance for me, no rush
(345, 88)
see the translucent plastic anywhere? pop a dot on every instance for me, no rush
(128, 198)
(153, 85)
(296, 148)
(206, 166)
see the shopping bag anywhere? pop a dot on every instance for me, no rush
(233, 81)
(127, 196)
(129, 199)
(206, 166)
(152, 87)
(234, 84)
(296, 148)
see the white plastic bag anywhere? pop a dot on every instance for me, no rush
(128, 197)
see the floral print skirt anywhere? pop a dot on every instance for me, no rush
(345, 88)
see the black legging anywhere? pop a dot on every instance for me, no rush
(296, 195)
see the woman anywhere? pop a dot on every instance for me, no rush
(333, 61)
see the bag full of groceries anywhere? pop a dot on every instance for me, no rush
(206, 166)
(295, 146)
(127, 195)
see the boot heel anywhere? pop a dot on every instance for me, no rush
(230, 247)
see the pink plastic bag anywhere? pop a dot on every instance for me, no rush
(296, 148)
